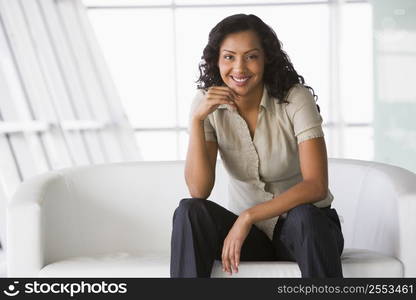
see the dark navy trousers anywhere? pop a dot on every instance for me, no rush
(309, 235)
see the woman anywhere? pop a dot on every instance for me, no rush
(254, 108)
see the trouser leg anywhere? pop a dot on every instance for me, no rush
(198, 232)
(313, 237)
(194, 240)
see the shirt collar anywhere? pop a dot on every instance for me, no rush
(266, 101)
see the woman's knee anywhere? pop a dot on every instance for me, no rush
(188, 204)
(305, 217)
(301, 212)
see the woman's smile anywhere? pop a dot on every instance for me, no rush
(240, 81)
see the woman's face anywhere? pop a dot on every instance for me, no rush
(241, 62)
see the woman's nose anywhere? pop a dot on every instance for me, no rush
(239, 64)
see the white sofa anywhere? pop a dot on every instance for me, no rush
(115, 220)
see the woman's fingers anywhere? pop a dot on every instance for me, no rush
(231, 257)
(212, 99)
(223, 258)
(224, 247)
(221, 98)
(234, 256)
(222, 90)
(222, 94)
(218, 100)
(226, 258)
(215, 93)
(237, 256)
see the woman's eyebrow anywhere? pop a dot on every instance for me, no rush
(244, 52)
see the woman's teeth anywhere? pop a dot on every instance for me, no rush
(243, 79)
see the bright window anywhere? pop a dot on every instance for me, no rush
(154, 52)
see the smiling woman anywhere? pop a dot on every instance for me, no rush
(254, 108)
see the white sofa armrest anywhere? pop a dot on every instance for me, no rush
(407, 236)
(24, 227)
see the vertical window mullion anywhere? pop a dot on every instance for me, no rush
(124, 146)
(146, 98)
(21, 77)
(71, 91)
(85, 77)
(58, 102)
(338, 126)
(175, 72)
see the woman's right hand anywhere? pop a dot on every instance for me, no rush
(215, 96)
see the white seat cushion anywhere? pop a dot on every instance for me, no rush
(355, 263)
(121, 264)
(365, 263)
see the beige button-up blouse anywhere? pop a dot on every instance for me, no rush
(267, 165)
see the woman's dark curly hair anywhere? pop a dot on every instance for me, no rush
(279, 73)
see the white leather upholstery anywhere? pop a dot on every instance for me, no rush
(356, 263)
(115, 220)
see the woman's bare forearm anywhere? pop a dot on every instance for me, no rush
(199, 175)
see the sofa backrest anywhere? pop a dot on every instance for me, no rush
(116, 207)
(129, 206)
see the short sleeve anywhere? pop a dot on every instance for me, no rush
(209, 130)
(303, 113)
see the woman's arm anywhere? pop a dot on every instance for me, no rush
(314, 187)
(306, 122)
(200, 161)
(202, 154)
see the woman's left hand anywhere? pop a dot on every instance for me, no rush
(233, 242)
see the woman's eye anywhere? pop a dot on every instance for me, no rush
(230, 56)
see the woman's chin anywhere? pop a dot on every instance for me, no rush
(241, 91)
